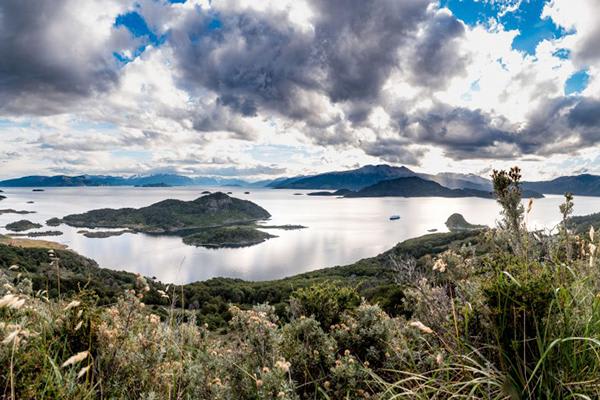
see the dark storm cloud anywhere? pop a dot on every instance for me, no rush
(464, 133)
(436, 55)
(358, 42)
(258, 61)
(394, 151)
(588, 50)
(585, 114)
(557, 125)
(49, 58)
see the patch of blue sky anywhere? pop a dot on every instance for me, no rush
(563, 54)
(526, 19)
(577, 82)
(7, 123)
(137, 26)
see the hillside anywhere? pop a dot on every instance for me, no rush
(212, 210)
(460, 181)
(415, 187)
(353, 179)
(581, 185)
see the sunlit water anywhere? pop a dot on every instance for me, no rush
(340, 231)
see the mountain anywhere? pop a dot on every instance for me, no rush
(285, 183)
(460, 181)
(413, 186)
(212, 210)
(355, 179)
(62, 180)
(582, 185)
(107, 180)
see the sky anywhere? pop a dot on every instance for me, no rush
(262, 89)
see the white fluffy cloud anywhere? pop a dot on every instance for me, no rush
(327, 83)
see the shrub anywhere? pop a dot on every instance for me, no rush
(325, 302)
(310, 351)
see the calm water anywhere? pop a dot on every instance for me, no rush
(340, 231)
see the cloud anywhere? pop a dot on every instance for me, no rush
(581, 21)
(398, 81)
(261, 61)
(437, 55)
(54, 52)
(394, 151)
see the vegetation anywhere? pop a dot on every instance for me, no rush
(38, 234)
(22, 225)
(214, 220)
(456, 222)
(53, 222)
(212, 210)
(227, 236)
(12, 211)
(282, 227)
(104, 234)
(498, 314)
(340, 192)
(30, 243)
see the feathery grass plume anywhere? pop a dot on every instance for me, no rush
(72, 304)
(83, 371)
(529, 206)
(591, 233)
(12, 301)
(77, 358)
(13, 267)
(11, 336)
(421, 326)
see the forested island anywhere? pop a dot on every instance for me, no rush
(22, 225)
(213, 220)
(456, 223)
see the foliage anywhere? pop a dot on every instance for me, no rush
(324, 302)
(227, 236)
(212, 210)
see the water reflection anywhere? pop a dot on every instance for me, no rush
(340, 231)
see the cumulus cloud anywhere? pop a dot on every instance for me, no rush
(53, 53)
(392, 80)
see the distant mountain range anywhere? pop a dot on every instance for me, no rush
(355, 180)
(369, 175)
(413, 186)
(582, 185)
(107, 180)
